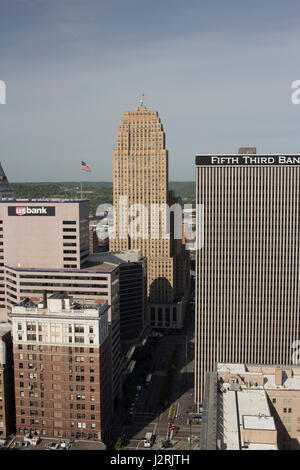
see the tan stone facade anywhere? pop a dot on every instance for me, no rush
(270, 396)
(140, 175)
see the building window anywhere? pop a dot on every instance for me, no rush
(79, 339)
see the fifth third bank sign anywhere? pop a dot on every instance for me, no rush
(266, 160)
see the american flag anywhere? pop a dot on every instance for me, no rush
(85, 167)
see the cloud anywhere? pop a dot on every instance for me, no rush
(69, 80)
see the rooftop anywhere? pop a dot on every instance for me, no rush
(43, 201)
(290, 375)
(58, 305)
(262, 447)
(102, 267)
(243, 409)
(259, 422)
(55, 444)
(248, 155)
(130, 256)
(105, 267)
(252, 402)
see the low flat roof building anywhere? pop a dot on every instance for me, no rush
(257, 407)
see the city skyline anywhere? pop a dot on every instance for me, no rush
(149, 227)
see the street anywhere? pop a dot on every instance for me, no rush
(165, 401)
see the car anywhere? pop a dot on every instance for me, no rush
(157, 334)
(154, 334)
(174, 428)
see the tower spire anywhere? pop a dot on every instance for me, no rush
(5, 188)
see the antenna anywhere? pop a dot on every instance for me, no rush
(142, 99)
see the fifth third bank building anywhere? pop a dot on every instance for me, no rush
(247, 264)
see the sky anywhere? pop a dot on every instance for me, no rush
(218, 72)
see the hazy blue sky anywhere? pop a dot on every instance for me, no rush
(218, 72)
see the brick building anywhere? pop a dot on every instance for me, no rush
(63, 376)
(7, 400)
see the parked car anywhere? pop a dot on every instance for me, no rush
(156, 334)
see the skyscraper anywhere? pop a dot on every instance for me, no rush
(140, 183)
(247, 267)
(5, 188)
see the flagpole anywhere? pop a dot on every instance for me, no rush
(84, 167)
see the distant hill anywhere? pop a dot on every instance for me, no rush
(98, 192)
(69, 184)
(98, 184)
(185, 189)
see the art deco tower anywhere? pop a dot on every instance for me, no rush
(140, 176)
